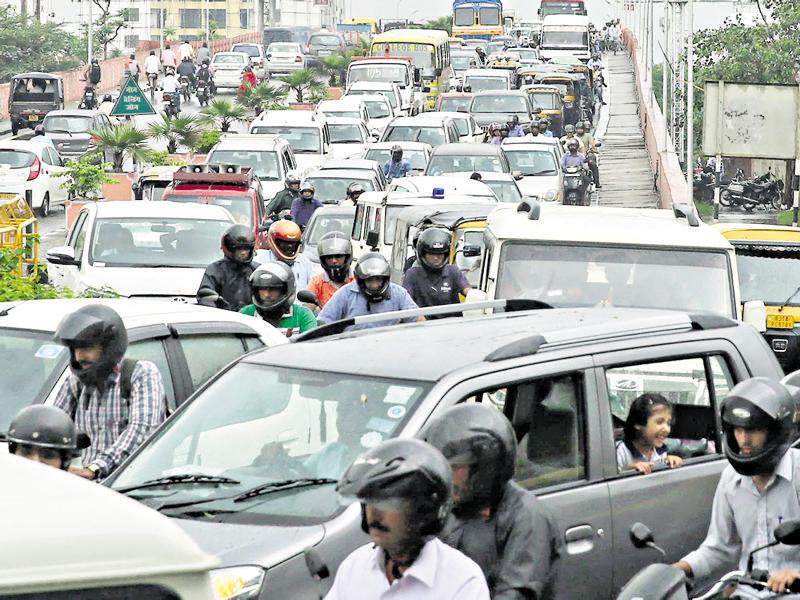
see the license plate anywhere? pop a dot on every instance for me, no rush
(33, 117)
(780, 322)
(324, 52)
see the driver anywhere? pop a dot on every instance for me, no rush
(351, 427)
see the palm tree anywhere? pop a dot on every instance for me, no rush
(182, 130)
(333, 67)
(302, 82)
(262, 97)
(122, 141)
(222, 113)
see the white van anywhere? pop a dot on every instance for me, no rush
(565, 35)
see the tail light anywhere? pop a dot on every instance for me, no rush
(36, 168)
(298, 59)
(92, 140)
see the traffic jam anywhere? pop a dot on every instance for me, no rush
(383, 336)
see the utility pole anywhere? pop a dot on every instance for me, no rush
(23, 8)
(690, 99)
(162, 21)
(259, 8)
(89, 36)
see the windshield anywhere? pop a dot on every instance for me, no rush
(483, 83)
(16, 159)
(229, 59)
(489, 16)
(506, 191)
(377, 109)
(461, 164)
(463, 62)
(565, 39)
(321, 224)
(281, 47)
(544, 101)
(464, 17)
(348, 114)
(495, 47)
(323, 40)
(153, 190)
(525, 55)
(264, 164)
(390, 224)
(408, 133)
(603, 276)
(249, 50)
(73, 124)
(301, 139)
(454, 104)
(240, 206)
(531, 163)
(146, 242)
(565, 89)
(499, 104)
(33, 364)
(768, 274)
(385, 93)
(346, 134)
(381, 73)
(563, 8)
(260, 424)
(416, 158)
(422, 55)
(334, 190)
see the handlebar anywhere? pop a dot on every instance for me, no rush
(756, 579)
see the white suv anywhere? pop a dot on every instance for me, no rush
(306, 131)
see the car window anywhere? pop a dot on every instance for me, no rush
(55, 158)
(79, 234)
(46, 157)
(204, 364)
(693, 387)
(358, 222)
(153, 350)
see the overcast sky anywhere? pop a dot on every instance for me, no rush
(426, 9)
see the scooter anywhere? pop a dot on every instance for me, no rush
(576, 187)
(171, 104)
(203, 92)
(89, 100)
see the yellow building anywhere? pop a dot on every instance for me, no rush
(190, 19)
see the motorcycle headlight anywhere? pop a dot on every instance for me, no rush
(237, 583)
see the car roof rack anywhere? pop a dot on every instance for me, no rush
(214, 174)
(510, 305)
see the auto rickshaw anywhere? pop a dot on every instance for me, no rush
(507, 62)
(31, 96)
(152, 182)
(576, 105)
(548, 99)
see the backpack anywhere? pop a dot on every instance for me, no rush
(94, 74)
(126, 376)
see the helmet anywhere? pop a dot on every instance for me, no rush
(758, 403)
(494, 127)
(107, 98)
(513, 120)
(335, 244)
(308, 187)
(573, 144)
(238, 237)
(90, 325)
(433, 241)
(407, 469)
(396, 148)
(355, 188)
(43, 426)
(481, 437)
(292, 178)
(284, 239)
(273, 275)
(569, 128)
(544, 122)
(372, 264)
(580, 125)
(587, 125)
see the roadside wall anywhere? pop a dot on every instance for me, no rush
(670, 179)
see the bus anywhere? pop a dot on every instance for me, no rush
(429, 51)
(477, 19)
(562, 7)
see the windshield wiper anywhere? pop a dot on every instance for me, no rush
(789, 299)
(60, 131)
(276, 486)
(185, 478)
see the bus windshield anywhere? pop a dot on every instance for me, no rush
(423, 55)
(563, 8)
(489, 16)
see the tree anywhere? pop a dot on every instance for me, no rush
(107, 27)
(302, 82)
(263, 97)
(223, 113)
(122, 141)
(334, 67)
(85, 177)
(182, 130)
(442, 23)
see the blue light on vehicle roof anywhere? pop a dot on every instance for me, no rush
(437, 194)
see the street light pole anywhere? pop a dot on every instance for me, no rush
(690, 99)
(89, 34)
(162, 20)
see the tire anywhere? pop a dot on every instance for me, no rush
(776, 200)
(14, 128)
(748, 205)
(725, 198)
(44, 209)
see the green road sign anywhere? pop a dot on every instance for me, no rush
(131, 101)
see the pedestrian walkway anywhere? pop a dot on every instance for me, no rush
(625, 171)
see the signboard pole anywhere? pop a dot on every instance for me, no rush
(718, 162)
(796, 178)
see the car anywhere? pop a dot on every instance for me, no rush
(504, 185)
(476, 43)
(425, 185)
(399, 70)
(391, 91)
(430, 127)
(173, 335)
(270, 158)
(491, 107)
(357, 164)
(285, 57)
(416, 153)
(152, 182)
(147, 556)
(324, 43)
(453, 101)
(139, 249)
(468, 128)
(565, 378)
(462, 60)
(325, 220)
(349, 137)
(379, 112)
(467, 157)
(486, 80)
(258, 58)
(71, 130)
(525, 56)
(538, 164)
(228, 68)
(331, 184)
(278, 34)
(33, 165)
(496, 47)
(306, 132)
(351, 108)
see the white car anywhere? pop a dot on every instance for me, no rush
(228, 68)
(140, 249)
(306, 131)
(432, 128)
(390, 90)
(351, 108)
(538, 165)
(379, 112)
(349, 137)
(468, 128)
(285, 57)
(257, 57)
(33, 165)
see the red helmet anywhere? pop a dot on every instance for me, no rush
(283, 238)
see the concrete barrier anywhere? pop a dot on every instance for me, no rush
(669, 177)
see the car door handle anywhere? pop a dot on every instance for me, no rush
(580, 539)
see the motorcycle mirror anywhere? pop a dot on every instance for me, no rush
(307, 297)
(208, 294)
(641, 536)
(788, 533)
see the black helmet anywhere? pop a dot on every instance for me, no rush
(372, 264)
(479, 436)
(270, 276)
(355, 188)
(43, 426)
(94, 325)
(335, 244)
(238, 237)
(433, 240)
(107, 98)
(407, 469)
(758, 403)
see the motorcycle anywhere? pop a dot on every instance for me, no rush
(89, 99)
(186, 87)
(171, 104)
(765, 190)
(703, 184)
(153, 79)
(576, 187)
(203, 92)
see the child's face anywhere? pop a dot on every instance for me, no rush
(658, 426)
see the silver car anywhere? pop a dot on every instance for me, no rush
(71, 130)
(285, 57)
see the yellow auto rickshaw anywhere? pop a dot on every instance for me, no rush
(152, 182)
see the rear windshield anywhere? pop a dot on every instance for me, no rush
(264, 164)
(16, 159)
(283, 48)
(499, 104)
(329, 189)
(478, 83)
(544, 100)
(346, 134)
(229, 59)
(71, 124)
(239, 206)
(417, 158)
(249, 50)
(429, 135)
(324, 40)
(385, 93)
(377, 110)
(453, 104)
(303, 140)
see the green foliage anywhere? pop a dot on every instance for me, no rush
(303, 82)
(84, 178)
(222, 113)
(105, 28)
(116, 53)
(26, 45)
(442, 23)
(334, 67)
(161, 158)
(206, 140)
(122, 141)
(182, 130)
(263, 97)
(658, 78)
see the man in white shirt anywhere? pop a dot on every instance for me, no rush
(169, 85)
(404, 488)
(757, 491)
(152, 65)
(186, 51)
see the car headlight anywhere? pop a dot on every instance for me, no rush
(239, 583)
(551, 194)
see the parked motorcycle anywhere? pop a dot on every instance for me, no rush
(171, 104)
(703, 186)
(765, 190)
(576, 190)
(89, 99)
(203, 93)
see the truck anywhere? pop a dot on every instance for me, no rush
(565, 35)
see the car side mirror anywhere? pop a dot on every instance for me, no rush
(402, 87)
(755, 313)
(39, 130)
(537, 110)
(417, 75)
(426, 90)
(467, 88)
(437, 72)
(373, 239)
(788, 533)
(459, 88)
(471, 251)
(62, 255)
(269, 56)
(641, 535)
(516, 175)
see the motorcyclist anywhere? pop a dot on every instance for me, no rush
(186, 51)
(354, 191)
(758, 489)
(544, 127)
(569, 134)
(305, 206)
(205, 73)
(481, 54)
(335, 253)
(495, 134)
(132, 68)
(507, 530)
(106, 105)
(203, 53)
(273, 293)
(573, 158)
(583, 133)
(283, 241)
(45, 434)
(93, 73)
(404, 487)
(186, 69)
(169, 85)
(168, 59)
(152, 66)
(229, 277)
(248, 79)
(282, 201)
(514, 128)
(396, 166)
